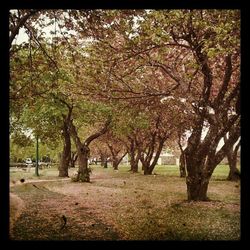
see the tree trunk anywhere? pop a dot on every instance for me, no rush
(83, 154)
(104, 161)
(115, 164)
(83, 171)
(182, 163)
(234, 173)
(66, 154)
(135, 167)
(197, 188)
(116, 157)
(147, 170)
(182, 166)
(198, 178)
(150, 162)
(73, 159)
(134, 160)
(105, 164)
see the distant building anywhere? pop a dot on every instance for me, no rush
(167, 159)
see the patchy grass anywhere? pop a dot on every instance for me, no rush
(125, 206)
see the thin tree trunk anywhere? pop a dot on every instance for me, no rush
(117, 161)
(73, 159)
(182, 163)
(105, 164)
(182, 166)
(148, 166)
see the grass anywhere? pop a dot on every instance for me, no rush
(125, 206)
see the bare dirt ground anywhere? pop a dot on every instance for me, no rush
(42, 217)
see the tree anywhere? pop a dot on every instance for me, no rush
(215, 104)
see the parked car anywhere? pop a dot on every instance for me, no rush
(28, 161)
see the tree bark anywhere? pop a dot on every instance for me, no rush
(73, 159)
(66, 153)
(134, 161)
(115, 164)
(105, 164)
(83, 154)
(104, 161)
(234, 173)
(83, 171)
(182, 163)
(197, 179)
(197, 187)
(182, 166)
(134, 157)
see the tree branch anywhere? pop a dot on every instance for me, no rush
(22, 21)
(99, 133)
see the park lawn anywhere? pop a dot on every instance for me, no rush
(119, 205)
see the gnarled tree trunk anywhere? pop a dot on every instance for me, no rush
(202, 161)
(83, 151)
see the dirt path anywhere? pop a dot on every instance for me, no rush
(16, 208)
(32, 181)
(42, 217)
